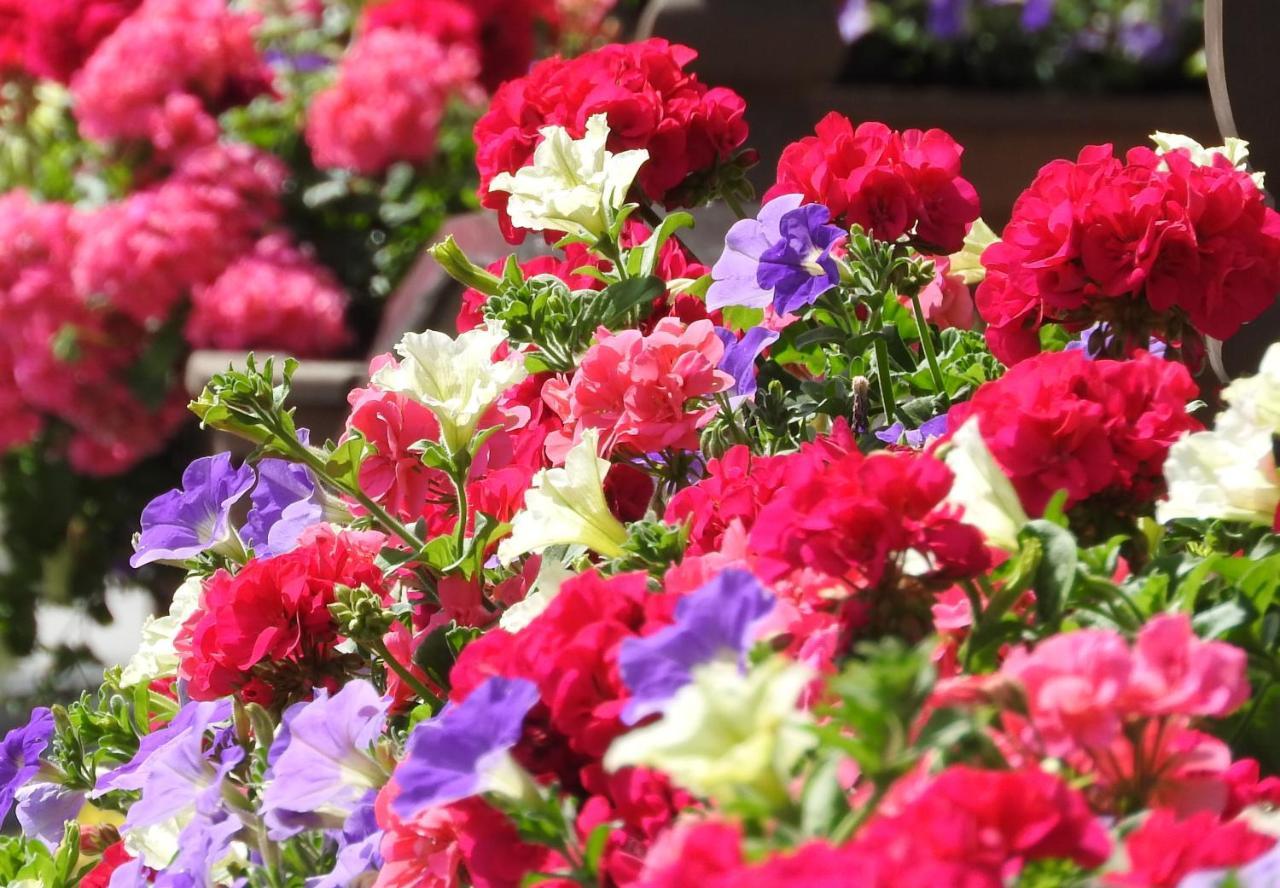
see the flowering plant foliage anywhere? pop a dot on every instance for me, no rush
(185, 174)
(1091, 45)
(663, 574)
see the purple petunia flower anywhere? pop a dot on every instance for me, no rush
(1090, 343)
(320, 767)
(183, 523)
(947, 18)
(465, 750)
(1037, 14)
(782, 257)
(286, 502)
(739, 359)
(359, 850)
(20, 755)
(718, 619)
(915, 438)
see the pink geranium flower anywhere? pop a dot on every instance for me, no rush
(644, 393)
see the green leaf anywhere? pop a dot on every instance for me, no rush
(593, 850)
(1220, 619)
(1056, 574)
(739, 318)
(343, 462)
(823, 803)
(622, 297)
(651, 248)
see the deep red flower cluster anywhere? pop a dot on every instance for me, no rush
(1059, 421)
(734, 490)
(1146, 244)
(966, 827)
(828, 528)
(61, 35)
(268, 628)
(13, 35)
(650, 100)
(890, 183)
(1165, 848)
(502, 33)
(570, 651)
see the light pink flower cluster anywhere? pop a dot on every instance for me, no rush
(166, 71)
(144, 254)
(275, 297)
(645, 394)
(1123, 714)
(390, 96)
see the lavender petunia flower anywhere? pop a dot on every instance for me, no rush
(465, 750)
(131, 874)
(739, 359)
(126, 776)
(915, 438)
(204, 844)
(716, 620)
(854, 20)
(20, 755)
(180, 777)
(320, 767)
(782, 257)
(301, 62)
(286, 502)
(183, 523)
(44, 809)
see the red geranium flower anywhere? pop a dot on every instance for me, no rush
(274, 614)
(889, 183)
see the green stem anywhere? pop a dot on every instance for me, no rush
(882, 379)
(735, 205)
(379, 647)
(460, 485)
(926, 341)
(613, 253)
(305, 455)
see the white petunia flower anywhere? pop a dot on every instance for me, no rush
(545, 588)
(458, 379)
(573, 185)
(1236, 151)
(1228, 473)
(1256, 399)
(727, 735)
(567, 506)
(156, 656)
(982, 489)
